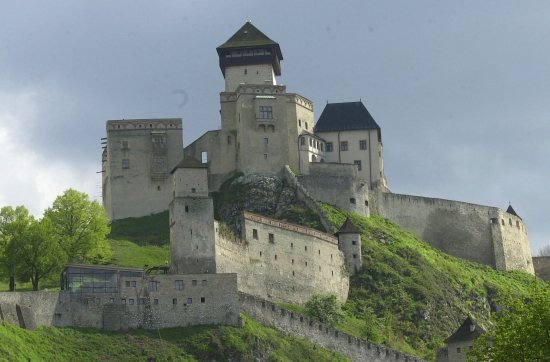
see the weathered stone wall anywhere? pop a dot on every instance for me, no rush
(298, 325)
(306, 198)
(204, 299)
(145, 186)
(542, 266)
(337, 184)
(285, 267)
(469, 231)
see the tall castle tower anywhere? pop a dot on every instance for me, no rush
(192, 238)
(260, 121)
(349, 242)
(135, 164)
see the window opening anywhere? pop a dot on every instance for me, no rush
(266, 141)
(358, 163)
(271, 238)
(352, 201)
(363, 145)
(329, 146)
(204, 157)
(153, 285)
(141, 301)
(194, 282)
(189, 300)
(124, 145)
(204, 283)
(125, 164)
(254, 234)
(203, 300)
(155, 301)
(179, 285)
(186, 208)
(344, 145)
(266, 112)
(175, 301)
(131, 301)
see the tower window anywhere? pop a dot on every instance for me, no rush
(245, 71)
(125, 163)
(265, 156)
(266, 141)
(303, 141)
(186, 208)
(228, 140)
(266, 112)
(254, 234)
(158, 188)
(352, 201)
(329, 146)
(153, 285)
(299, 123)
(124, 145)
(193, 190)
(344, 145)
(306, 125)
(358, 163)
(179, 285)
(271, 238)
(363, 145)
(354, 242)
(156, 142)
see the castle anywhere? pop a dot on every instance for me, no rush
(214, 274)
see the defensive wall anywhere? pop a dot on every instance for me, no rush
(542, 266)
(148, 302)
(325, 178)
(303, 327)
(281, 261)
(478, 233)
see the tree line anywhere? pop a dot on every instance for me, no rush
(73, 229)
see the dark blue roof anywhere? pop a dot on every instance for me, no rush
(345, 117)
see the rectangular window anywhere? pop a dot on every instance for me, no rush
(271, 238)
(85, 301)
(254, 234)
(174, 301)
(111, 300)
(161, 162)
(363, 145)
(153, 285)
(194, 282)
(266, 141)
(127, 283)
(179, 284)
(131, 301)
(133, 283)
(162, 143)
(358, 163)
(321, 146)
(203, 300)
(458, 350)
(193, 190)
(329, 146)
(344, 145)
(155, 301)
(228, 140)
(266, 112)
(265, 156)
(189, 300)
(156, 162)
(156, 142)
(141, 301)
(125, 163)
(204, 283)
(124, 145)
(123, 301)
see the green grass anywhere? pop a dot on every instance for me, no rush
(300, 214)
(201, 343)
(127, 253)
(411, 296)
(143, 231)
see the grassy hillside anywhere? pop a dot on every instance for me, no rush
(205, 343)
(411, 296)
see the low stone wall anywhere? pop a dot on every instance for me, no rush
(32, 309)
(300, 326)
(542, 267)
(305, 197)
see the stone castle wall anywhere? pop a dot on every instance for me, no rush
(324, 178)
(478, 233)
(298, 325)
(281, 261)
(204, 299)
(542, 266)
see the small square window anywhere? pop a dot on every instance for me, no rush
(203, 300)
(85, 301)
(354, 242)
(266, 141)
(193, 190)
(155, 301)
(179, 284)
(329, 146)
(153, 285)
(254, 234)
(189, 300)
(458, 350)
(141, 301)
(265, 156)
(123, 301)
(363, 144)
(174, 301)
(204, 283)
(127, 283)
(111, 300)
(344, 145)
(131, 301)
(133, 283)
(352, 201)
(271, 238)
(194, 283)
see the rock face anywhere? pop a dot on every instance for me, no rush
(267, 195)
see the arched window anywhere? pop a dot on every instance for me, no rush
(303, 141)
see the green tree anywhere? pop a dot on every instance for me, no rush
(521, 331)
(326, 308)
(82, 226)
(30, 247)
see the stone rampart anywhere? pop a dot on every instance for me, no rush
(282, 262)
(478, 233)
(324, 178)
(542, 267)
(303, 327)
(306, 198)
(36, 308)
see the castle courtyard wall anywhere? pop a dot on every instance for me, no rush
(287, 267)
(469, 231)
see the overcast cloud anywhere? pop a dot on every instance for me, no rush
(459, 88)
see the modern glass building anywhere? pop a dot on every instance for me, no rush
(86, 278)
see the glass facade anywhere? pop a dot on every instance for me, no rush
(93, 280)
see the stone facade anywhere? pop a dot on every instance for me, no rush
(478, 233)
(138, 155)
(281, 261)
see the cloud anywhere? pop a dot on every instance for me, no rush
(32, 177)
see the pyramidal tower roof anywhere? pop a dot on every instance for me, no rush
(189, 162)
(466, 332)
(511, 210)
(348, 228)
(248, 36)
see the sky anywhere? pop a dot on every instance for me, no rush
(461, 89)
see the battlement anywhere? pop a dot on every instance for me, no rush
(169, 124)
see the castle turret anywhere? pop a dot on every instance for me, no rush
(192, 239)
(349, 242)
(249, 56)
